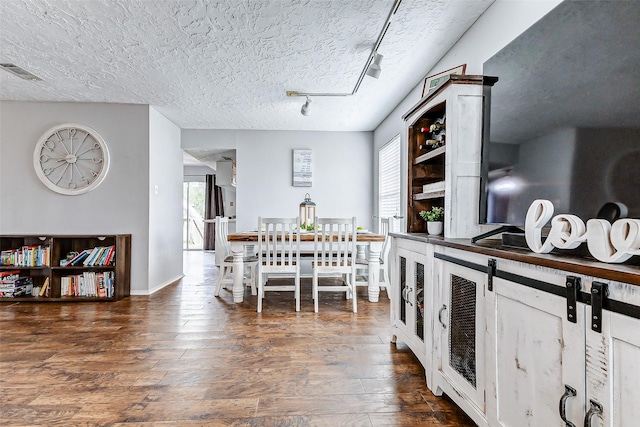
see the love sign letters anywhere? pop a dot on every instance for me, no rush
(607, 242)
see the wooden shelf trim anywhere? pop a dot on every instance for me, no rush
(430, 195)
(430, 155)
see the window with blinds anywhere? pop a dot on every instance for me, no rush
(389, 179)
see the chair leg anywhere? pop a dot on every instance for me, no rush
(297, 290)
(260, 291)
(219, 284)
(345, 280)
(354, 295)
(315, 291)
(387, 282)
(252, 278)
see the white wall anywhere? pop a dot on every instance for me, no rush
(342, 171)
(503, 21)
(197, 171)
(165, 201)
(118, 206)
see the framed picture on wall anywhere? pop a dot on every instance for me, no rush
(302, 176)
(433, 81)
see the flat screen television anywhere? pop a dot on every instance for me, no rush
(563, 119)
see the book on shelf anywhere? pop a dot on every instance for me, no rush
(90, 259)
(44, 290)
(110, 256)
(9, 276)
(102, 256)
(79, 259)
(102, 291)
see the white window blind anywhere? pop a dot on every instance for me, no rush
(389, 179)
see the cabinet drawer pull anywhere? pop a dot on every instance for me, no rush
(568, 392)
(595, 409)
(443, 308)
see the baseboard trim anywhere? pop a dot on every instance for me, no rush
(157, 288)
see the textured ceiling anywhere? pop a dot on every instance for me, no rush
(227, 64)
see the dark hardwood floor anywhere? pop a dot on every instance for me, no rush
(183, 357)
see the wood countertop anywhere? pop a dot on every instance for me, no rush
(628, 272)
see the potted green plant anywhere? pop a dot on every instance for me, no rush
(435, 220)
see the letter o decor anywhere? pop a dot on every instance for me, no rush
(612, 243)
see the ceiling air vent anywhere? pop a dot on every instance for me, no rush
(20, 72)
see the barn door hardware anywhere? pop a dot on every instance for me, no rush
(598, 294)
(573, 288)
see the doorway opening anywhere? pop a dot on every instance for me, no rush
(193, 199)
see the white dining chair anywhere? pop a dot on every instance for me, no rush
(279, 256)
(334, 244)
(362, 264)
(224, 259)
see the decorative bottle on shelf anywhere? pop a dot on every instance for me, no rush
(436, 137)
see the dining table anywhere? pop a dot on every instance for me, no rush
(239, 243)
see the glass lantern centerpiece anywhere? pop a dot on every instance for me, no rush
(307, 213)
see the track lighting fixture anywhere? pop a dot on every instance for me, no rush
(374, 69)
(305, 107)
(371, 67)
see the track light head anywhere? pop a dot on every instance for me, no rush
(374, 69)
(305, 107)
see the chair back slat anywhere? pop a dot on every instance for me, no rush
(334, 242)
(387, 225)
(334, 254)
(279, 242)
(278, 255)
(223, 247)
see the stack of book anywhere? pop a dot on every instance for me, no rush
(16, 286)
(98, 256)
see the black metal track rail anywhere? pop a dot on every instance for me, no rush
(583, 297)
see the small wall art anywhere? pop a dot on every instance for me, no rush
(302, 176)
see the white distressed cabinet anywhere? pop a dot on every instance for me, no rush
(521, 344)
(552, 366)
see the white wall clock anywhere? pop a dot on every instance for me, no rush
(71, 159)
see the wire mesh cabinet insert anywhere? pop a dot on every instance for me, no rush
(460, 342)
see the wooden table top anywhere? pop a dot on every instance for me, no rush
(252, 236)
